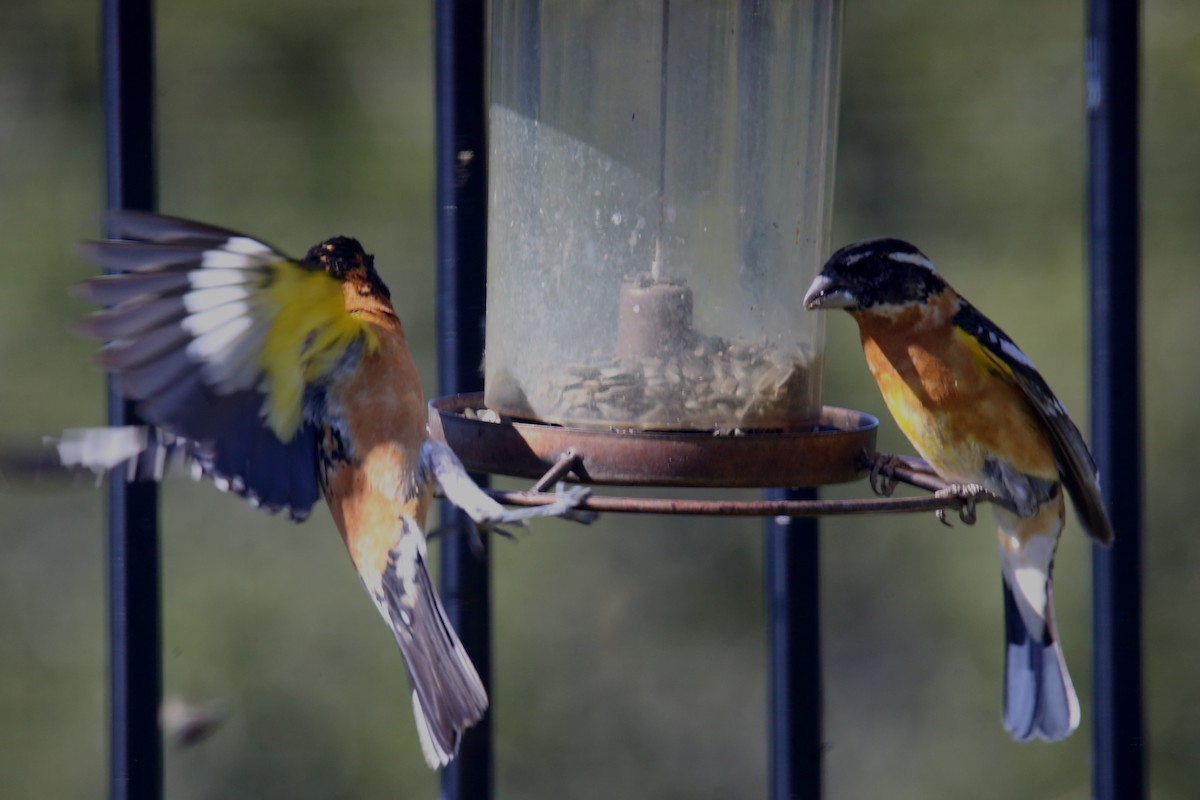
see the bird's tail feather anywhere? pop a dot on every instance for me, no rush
(1039, 699)
(447, 694)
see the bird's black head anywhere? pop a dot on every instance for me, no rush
(345, 259)
(878, 273)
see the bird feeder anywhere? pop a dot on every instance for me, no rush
(661, 186)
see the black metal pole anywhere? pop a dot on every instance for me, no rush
(459, 47)
(135, 660)
(1113, 33)
(794, 652)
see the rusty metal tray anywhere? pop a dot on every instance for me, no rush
(834, 452)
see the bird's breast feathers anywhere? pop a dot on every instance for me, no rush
(371, 451)
(381, 401)
(953, 406)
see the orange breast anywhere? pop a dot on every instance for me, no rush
(383, 410)
(954, 407)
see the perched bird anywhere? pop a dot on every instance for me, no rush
(978, 412)
(283, 380)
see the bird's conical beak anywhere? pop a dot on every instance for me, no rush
(825, 293)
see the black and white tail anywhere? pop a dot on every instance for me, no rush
(447, 695)
(1039, 699)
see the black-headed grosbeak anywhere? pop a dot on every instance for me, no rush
(979, 413)
(283, 380)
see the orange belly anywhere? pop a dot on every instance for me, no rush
(955, 408)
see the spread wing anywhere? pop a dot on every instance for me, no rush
(227, 345)
(1075, 464)
(246, 458)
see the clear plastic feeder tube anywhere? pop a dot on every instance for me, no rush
(661, 187)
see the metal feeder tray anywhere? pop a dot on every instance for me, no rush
(830, 454)
(840, 450)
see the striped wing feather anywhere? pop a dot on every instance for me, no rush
(1075, 464)
(190, 307)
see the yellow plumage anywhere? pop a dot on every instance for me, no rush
(309, 334)
(946, 394)
(282, 381)
(978, 411)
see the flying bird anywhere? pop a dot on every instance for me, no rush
(977, 410)
(286, 380)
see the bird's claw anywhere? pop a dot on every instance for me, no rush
(883, 473)
(566, 505)
(569, 500)
(968, 494)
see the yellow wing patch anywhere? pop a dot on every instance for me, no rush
(985, 357)
(310, 332)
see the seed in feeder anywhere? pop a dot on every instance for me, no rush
(586, 371)
(691, 371)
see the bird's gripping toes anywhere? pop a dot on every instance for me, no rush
(978, 412)
(283, 380)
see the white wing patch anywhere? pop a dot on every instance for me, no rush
(210, 278)
(238, 367)
(212, 319)
(204, 299)
(210, 345)
(101, 449)
(226, 330)
(228, 259)
(1012, 351)
(244, 244)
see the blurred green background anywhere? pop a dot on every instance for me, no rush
(629, 656)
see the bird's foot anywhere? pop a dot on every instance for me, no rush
(969, 494)
(883, 473)
(566, 505)
(571, 498)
